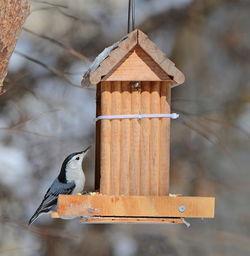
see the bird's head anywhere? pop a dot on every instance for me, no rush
(73, 162)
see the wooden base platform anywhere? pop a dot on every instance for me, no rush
(134, 220)
(97, 208)
(124, 220)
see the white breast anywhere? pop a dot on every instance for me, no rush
(78, 177)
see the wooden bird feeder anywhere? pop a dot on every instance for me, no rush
(133, 78)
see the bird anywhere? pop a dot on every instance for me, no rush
(71, 180)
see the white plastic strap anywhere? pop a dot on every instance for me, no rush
(139, 116)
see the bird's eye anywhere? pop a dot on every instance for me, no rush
(78, 158)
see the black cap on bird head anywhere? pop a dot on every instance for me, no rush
(62, 175)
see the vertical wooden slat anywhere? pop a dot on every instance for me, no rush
(98, 138)
(115, 138)
(165, 140)
(106, 138)
(155, 139)
(134, 175)
(125, 139)
(145, 139)
(134, 154)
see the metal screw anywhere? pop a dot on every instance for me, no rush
(182, 208)
(136, 85)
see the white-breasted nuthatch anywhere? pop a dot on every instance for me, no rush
(71, 180)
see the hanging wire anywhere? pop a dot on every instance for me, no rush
(129, 7)
(131, 15)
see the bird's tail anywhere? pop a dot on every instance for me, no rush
(39, 211)
(34, 216)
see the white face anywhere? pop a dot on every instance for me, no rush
(76, 161)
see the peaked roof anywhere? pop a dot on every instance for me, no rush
(111, 57)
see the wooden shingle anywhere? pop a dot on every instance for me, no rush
(134, 58)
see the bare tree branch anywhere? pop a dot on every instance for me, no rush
(60, 44)
(209, 135)
(52, 4)
(51, 69)
(18, 127)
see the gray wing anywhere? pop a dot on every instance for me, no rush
(55, 189)
(51, 196)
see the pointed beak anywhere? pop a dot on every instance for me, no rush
(86, 149)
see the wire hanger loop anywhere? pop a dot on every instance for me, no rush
(131, 15)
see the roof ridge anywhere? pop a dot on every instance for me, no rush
(111, 56)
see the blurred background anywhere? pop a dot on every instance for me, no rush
(44, 116)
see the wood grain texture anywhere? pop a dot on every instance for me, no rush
(130, 42)
(135, 206)
(137, 66)
(126, 220)
(105, 150)
(145, 140)
(151, 48)
(155, 139)
(134, 153)
(165, 102)
(113, 59)
(115, 139)
(159, 57)
(134, 168)
(116, 67)
(125, 139)
(13, 13)
(169, 67)
(98, 139)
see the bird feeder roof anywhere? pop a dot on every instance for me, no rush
(111, 58)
